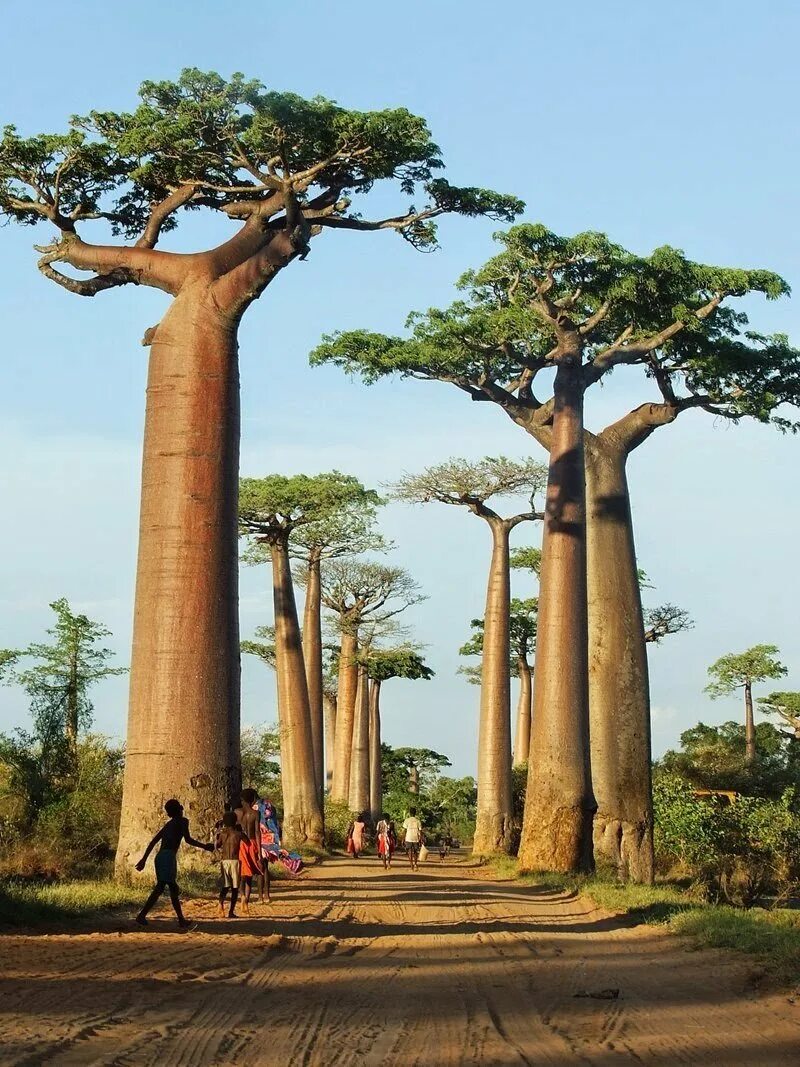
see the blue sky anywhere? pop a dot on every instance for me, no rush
(662, 123)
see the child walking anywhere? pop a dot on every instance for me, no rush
(170, 835)
(229, 842)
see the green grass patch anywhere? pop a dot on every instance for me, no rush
(772, 937)
(25, 903)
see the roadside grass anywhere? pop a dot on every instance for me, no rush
(771, 936)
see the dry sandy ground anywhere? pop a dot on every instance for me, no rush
(351, 965)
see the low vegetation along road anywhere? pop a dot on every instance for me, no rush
(351, 965)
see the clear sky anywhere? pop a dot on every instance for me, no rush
(657, 123)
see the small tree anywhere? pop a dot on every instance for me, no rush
(786, 706)
(664, 620)
(470, 485)
(741, 670)
(359, 594)
(62, 673)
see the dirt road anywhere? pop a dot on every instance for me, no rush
(351, 965)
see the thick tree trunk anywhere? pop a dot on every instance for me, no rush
(359, 766)
(522, 734)
(375, 776)
(329, 708)
(619, 690)
(494, 827)
(302, 803)
(312, 654)
(345, 714)
(183, 721)
(557, 827)
(749, 726)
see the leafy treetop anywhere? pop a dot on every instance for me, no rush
(663, 620)
(365, 593)
(277, 162)
(522, 622)
(403, 662)
(786, 705)
(740, 670)
(546, 300)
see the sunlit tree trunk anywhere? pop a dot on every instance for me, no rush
(619, 691)
(183, 722)
(345, 714)
(302, 804)
(375, 774)
(522, 734)
(749, 725)
(359, 766)
(494, 820)
(557, 827)
(312, 654)
(329, 708)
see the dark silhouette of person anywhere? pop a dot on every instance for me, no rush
(170, 835)
(251, 860)
(229, 842)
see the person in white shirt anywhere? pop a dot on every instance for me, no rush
(412, 837)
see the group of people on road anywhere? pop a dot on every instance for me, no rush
(386, 838)
(247, 838)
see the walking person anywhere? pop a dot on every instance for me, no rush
(387, 840)
(250, 858)
(412, 838)
(229, 842)
(166, 863)
(356, 834)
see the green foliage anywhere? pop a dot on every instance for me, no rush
(365, 593)
(263, 647)
(661, 312)
(29, 903)
(453, 804)
(526, 559)
(338, 817)
(522, 621)
(786, 705)
(471, 484)
(738, 669)
(260, 770)
(404, 662)
(62, 672)
(229, 142)
(664, 620)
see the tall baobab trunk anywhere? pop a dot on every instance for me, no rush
(183, 720)
(557, 827)
(345, 714)
(494, 824)
(749, 726)
(312, 654)
(619, 689)
(302, 803)
(522, 734)
(375, 773)
(413, 780)
(359, 766)
(329, 709)
(71, 725)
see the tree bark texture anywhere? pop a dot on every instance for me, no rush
(345, 714)
(749, 726)
(375, 774)
(522, 734)
(557, 827)
(312, 654)
(619, 688)
(302, 803)
(183, 722)
(494, 826)
(329, 710)
(359, 765)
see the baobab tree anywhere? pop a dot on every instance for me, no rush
(522, 643)
(359, 594)
(666, 619)
(742, 670)
(382, 664)
(283, 169)
(270, 510)
(470, 485)
(786, 705)
(346, 525)
(584, 307)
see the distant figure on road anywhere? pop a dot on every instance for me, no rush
(412, 837)
(445, 842)
(387, 840)
(170, 835)
(229, 842)
(356, 832)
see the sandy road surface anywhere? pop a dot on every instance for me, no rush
(350, 965)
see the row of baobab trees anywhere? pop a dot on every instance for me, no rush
(538, 328)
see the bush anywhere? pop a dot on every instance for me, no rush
(337, 819)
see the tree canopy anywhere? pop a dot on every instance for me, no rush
(274, 507)
(403, 662)
(273, 159)
(472, 483)
(662, 312)
(663, 620)
(739, 669)
(786, 705)
(363, 592)
(521, 630)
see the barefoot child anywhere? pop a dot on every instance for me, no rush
(170, 835)
(229, 842)
(250, 861)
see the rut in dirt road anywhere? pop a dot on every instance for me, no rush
(354, 965)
